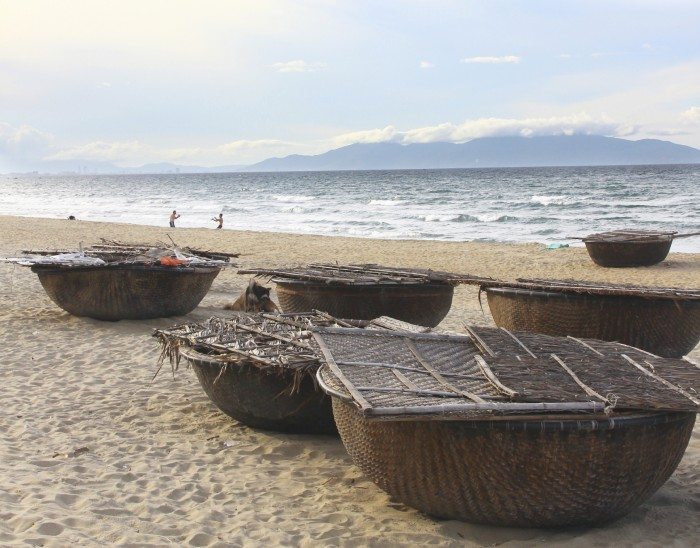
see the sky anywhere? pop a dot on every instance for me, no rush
(231, 82)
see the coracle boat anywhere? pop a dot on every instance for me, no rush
(630, 247)
(260, 368)
(123, 282)
(126, 292)
(364, 292)
(663, 321)
(509, 429)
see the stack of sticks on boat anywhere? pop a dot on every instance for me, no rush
(364, 274)
(629, 235)
(589, 288)
(492, 372)
(116, 253)
(263, 340)
(633, 235)
(266, 341)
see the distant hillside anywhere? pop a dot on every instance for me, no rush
(574, 150)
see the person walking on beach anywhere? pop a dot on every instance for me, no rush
(173, 216)
(220, 220)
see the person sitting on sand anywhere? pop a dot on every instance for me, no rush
(220, 220)
(173, 216)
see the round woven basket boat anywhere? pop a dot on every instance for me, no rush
(262, 399)
(524, 473)
(620, 254)
(126, 292)
(420, 304)
(665, 327)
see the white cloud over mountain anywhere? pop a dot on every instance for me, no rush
(490, 127)
(25, 144)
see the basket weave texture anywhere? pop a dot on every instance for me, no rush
(514, 429)
(516, 473)
(425, 304)
(262, 399)
(621, 254)
(127, 292)
(666, 327)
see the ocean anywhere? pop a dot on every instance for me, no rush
(506, 205)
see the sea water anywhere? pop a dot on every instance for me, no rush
(506, 205)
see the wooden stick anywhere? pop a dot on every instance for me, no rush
(330, 361)
(584, 344)
(436, 393)
(262, 333)
(687, 235)
(403, 379)
(465, 408)
(519, 342)
(486, 370)
(480, 342)
(578, 381)
(663, 381)
(437, 376)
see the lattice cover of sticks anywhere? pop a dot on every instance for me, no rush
(595, 288)
(364, 274)
(111, 252)
(265, 341)
(630, 235)
(491, 372)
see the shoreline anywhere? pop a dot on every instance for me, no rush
(95, 452)
(574, 245)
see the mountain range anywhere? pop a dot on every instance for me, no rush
(560, 150)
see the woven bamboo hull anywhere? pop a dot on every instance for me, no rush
(126, 293)
(626, 254)
(425, 304)
(262, 400)
(518, 473)
(664, 327)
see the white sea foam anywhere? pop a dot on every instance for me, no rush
(293, 198)
(438, 218)
(385, 202)
(493, 217)
(551, 200)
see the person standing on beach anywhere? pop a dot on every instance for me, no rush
(173, 216)
(220, 220)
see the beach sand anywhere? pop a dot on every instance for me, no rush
(95, 453)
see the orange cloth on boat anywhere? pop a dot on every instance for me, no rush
(172, 261)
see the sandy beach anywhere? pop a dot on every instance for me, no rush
(94, 453)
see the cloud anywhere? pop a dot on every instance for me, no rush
(426, 65)
(691, 115)
(245, 144)
(668, 132)
(135, 153)
(492, 60)
(490, 127)
(104, 151)
(564, 56)
(23, 142)
(297, 65)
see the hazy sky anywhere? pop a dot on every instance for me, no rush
(232, 82)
